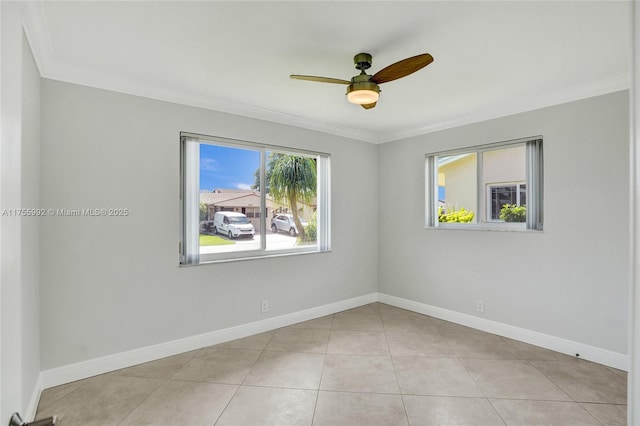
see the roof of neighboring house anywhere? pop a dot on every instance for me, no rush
(238, 198)
(233, 198)
(443, 161)
(223, 194)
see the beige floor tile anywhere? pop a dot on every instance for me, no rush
(478, 345)
(347, 321)
(512, 379)
(417, 343)
(217, 365)
(187, 403)
(256, 342)
(287, 370)
(408, 322)
(434, 376)
(542, 413)
(322, 323)
(353, 342)
(106, 400)
(300, 340)
(350, 409)
(359, 373)
(53, 395)
(535, 353)
(160, 369)
(618, 372)
(371, 308)
(384, 308)
(447, 327)
(450, 411)
(258, 406)
(586, 381)
(607, 414)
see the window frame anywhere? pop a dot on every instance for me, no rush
(189, 179)
(534, 171)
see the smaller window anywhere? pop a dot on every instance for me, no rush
(489, 186)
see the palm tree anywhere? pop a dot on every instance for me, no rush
(293, 179)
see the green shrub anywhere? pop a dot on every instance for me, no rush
(457, 216)
(513, 213)
(311, 230)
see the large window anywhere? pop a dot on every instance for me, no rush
(496, 186)
(243, 200)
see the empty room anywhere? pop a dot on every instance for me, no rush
(319, 213)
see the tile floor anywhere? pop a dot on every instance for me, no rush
(373, 365)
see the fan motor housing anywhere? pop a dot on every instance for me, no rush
(362, 61)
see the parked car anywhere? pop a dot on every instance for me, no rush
(233, 225)
(284, 222)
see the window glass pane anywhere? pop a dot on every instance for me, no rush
(457, 188)
(501, 195)
(292, 202)
(229, 199)
(504, 165)
(503, 174)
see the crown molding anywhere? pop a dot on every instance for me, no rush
(36, 30)
(75, 75)
(518, 106)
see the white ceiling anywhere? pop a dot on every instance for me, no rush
(491, 58)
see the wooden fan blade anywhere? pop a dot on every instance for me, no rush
(319, 79)
(402, 68)
(369, 106)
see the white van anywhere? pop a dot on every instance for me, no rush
(233, 225)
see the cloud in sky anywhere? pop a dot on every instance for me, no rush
(243, 186)
(209, 165)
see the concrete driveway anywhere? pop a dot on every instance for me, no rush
(279, 241)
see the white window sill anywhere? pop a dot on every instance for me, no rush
(254, 256)
(498, 226)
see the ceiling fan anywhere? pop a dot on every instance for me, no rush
(363, 88)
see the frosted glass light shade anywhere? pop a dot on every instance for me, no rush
(363, 92)
(362, 97)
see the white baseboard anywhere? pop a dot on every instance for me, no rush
(82, 370)
(569, 347)
(32, 408)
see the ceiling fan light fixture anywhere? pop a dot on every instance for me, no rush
(362, 93)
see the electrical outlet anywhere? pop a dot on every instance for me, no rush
(264, 306)
(480, 305)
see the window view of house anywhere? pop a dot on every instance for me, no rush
(457, 188)
(488, 184)
(251, 201)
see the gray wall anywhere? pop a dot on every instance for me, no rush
(114, 284)
(570, 281)
(19, 236)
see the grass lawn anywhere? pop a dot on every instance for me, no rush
(213, 240)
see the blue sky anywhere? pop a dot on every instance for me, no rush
(227, 168)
